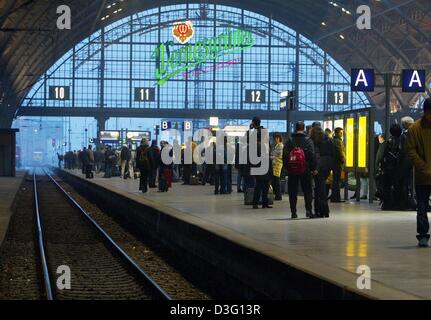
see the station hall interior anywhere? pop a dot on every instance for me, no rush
(93, 92)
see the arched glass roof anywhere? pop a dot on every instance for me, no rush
(108, 68)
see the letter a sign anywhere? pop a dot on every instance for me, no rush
(414, 80)
(363, 80)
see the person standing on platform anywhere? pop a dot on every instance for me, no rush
(407, 180)
(144, 164)
(324, 151)
(277, 164)
(124, 158)
(165, 171)
(263, 181)
(339, 162)
(419, 153)
(109, 161)
(83, 159)
(155, 156)
(299, 159)
(130, 165)
(89, 163)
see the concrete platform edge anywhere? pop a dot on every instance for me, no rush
(276, 272)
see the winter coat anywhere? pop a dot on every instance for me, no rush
(277, 159)
(419, 150)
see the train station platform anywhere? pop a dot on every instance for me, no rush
(328, 251)
(8, 189)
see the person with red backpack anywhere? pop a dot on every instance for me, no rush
(300, 160)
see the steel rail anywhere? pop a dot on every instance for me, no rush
(46, 275)
(160, 293)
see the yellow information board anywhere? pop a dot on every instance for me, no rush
(362, 142)
(350, 142)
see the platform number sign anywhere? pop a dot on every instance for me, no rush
(255, 96)
(59, 93)
(363, 80)
(145, 94)
(187, 126)
(339, 98)
(414, 80)
(166, 125)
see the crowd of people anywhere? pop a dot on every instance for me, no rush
(311, 158)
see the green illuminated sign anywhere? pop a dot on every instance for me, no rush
(171, 63)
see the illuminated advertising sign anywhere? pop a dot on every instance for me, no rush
(328, 125)
(350, 142)
(110, 136)
(339, 124)
(137, 136)
(362, 142)
(414, 80)
(363, 80)
(183, 31)
(171, 62)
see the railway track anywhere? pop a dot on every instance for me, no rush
(69, 239)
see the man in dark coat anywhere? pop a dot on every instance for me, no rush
(144, 162)
(301, 140)
(339, 163)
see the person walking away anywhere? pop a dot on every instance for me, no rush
(339, 163)
(324, 151)
(391, 166)
(144, 164)
(419, 153)
(90, 163)
(155, 155)
(407, 172)
(299, 158)
(277, 163)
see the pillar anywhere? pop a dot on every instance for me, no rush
(101, 124)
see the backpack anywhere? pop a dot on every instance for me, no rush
(143, 156)
(296, 164)
(392, 155)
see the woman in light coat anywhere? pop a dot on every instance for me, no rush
(277, 164)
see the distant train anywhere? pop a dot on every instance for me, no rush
(37, 158)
